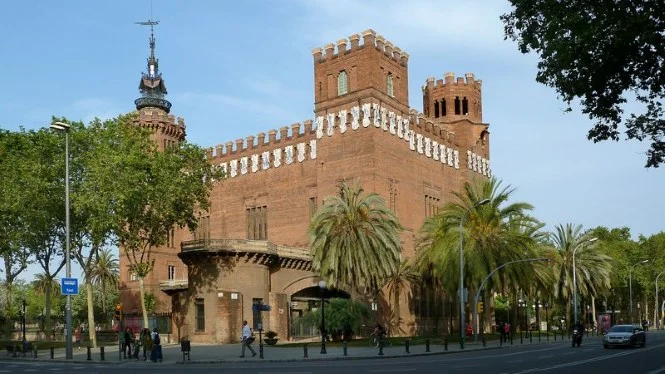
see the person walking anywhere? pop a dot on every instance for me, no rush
(156, 353)
(77, 337)
(506, 332)
(247, 339)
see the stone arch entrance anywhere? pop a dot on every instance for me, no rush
(304, 301)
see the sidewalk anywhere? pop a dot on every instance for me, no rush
(220, 353)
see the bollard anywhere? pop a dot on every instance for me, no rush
(445, 343)
(500, 341)
(89, 354)
(530, 337)
(15, 354)
(426, 345)
(380, 347)
(406, 346)
(261, 350)
(538, 335)
(345, 346)
(484, 341)
(52, 352)
(101, 353)
(304, 348)
(521, 340)
(34, 351)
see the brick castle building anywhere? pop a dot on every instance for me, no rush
(252, 247)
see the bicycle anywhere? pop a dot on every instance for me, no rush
(374, 341)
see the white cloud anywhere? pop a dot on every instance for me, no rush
(413, 23)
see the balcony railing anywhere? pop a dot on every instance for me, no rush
(243, 245)
(173, 284)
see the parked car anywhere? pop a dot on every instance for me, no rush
(624, 336)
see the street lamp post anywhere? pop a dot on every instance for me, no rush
(575, 275)
(630, 287)
(322, 286)
(656, 311)
(461, 270)
(475, 304)
(69, 353)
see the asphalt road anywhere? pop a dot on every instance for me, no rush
(536, 358)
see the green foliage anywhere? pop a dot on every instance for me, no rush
(270, 334)
(355, 240)
(494, 234)
(600, 53)
(343, 317)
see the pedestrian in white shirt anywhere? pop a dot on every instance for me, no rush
(247, 339)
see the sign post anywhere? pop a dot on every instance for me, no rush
(69, 286)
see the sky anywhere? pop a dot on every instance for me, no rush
(237, 68)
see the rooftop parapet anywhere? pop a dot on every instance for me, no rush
(370, 38)
(449, 79)
(259, 143)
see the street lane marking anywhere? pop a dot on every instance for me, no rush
(548, 356)
(661, 370)
(391, 370)
(580, 362)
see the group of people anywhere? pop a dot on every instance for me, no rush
(149, 341)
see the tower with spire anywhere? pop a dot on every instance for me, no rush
(153, 108)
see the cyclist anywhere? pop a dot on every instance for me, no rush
(379, 332)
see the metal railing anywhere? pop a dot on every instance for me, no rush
(173, 283)
(245, 245)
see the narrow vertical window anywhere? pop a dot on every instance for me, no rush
(312, 206)
(465, 106)
(171, 272)
(458, 110)
(199, 311)
(342, 83)
(443, 107)
(248, 219)
(390, 85)
(436, 109)
(265, 222)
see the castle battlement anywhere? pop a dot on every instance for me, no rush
(155, 116)
(449, 79)
(259, 143)
(370, 39)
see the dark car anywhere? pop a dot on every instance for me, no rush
(624, 336)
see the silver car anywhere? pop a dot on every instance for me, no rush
(624, 336)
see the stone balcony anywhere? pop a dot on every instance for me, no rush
(173, 285)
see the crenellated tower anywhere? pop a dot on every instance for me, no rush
(452, 99)
(152, 107)
(352, 72)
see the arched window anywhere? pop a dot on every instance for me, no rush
(342, 83)
(390, 85)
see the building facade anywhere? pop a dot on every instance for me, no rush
(251, 246)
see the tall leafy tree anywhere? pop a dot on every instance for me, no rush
(16, 179)
(593, 266)
(354, 240)
(154, 192)
(602, 53)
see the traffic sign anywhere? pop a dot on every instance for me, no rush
(69, 286)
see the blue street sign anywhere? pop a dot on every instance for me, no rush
(69, 286)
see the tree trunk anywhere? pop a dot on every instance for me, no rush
(91, 316)
(103, 289)
(593, 310)
(47, 306)
(8, 305)
(143, 310)
(398, 315)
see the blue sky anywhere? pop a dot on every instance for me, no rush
(235, 69)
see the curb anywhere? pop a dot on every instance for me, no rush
(335, 358)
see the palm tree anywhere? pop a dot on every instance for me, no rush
(494, 233)
(104, 272)
(403, 279)
(592, 265)
(43, 284)
(355, 240)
